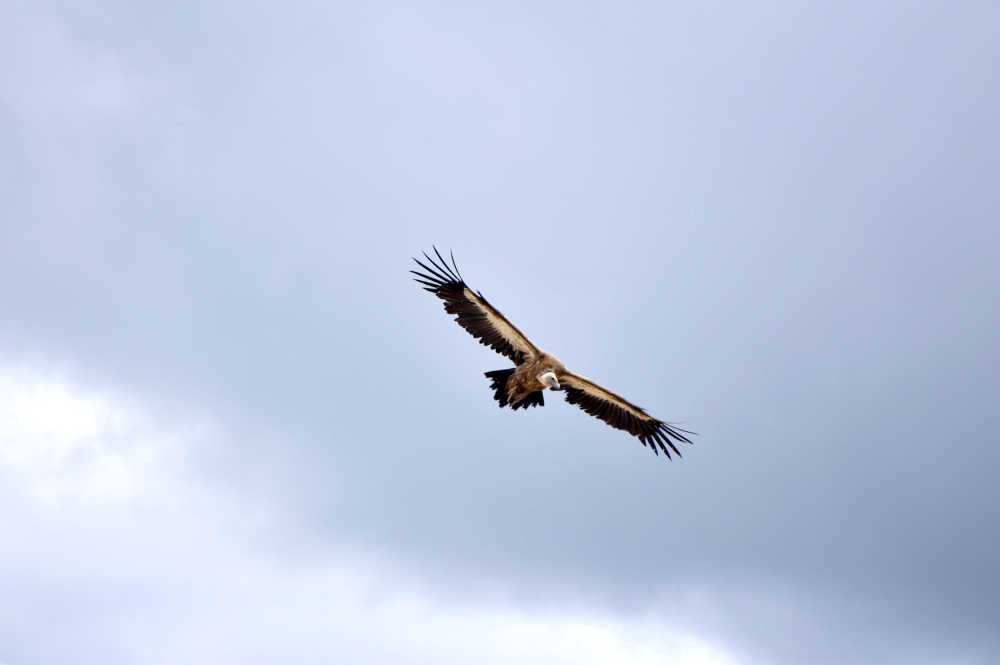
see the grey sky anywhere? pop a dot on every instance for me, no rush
(775, 223)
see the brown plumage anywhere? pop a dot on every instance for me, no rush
(535, 370)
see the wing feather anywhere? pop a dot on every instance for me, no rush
(474, 313)
(618, 412)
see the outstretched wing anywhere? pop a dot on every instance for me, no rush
(618, 412)
(481, 319)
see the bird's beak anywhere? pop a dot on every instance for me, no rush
(549, 379)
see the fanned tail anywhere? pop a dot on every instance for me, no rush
(498, 383)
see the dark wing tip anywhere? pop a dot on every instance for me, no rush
(438, 269)
(455, 265)
(444, 264)
(657, 435)
(667, 435)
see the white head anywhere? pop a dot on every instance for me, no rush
(548, 378)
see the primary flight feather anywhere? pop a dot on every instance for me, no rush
(535, 370)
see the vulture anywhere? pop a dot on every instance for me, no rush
(535, 370)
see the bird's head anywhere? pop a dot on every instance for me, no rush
(549, 379)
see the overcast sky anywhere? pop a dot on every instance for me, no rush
(232, 430)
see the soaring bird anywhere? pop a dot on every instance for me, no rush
(535, 370)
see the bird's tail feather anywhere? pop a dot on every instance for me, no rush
(498, 383)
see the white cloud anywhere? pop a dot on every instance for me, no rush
(59, 445)
(133, 559)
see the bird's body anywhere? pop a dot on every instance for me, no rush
(527, 377)
(534, 369)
